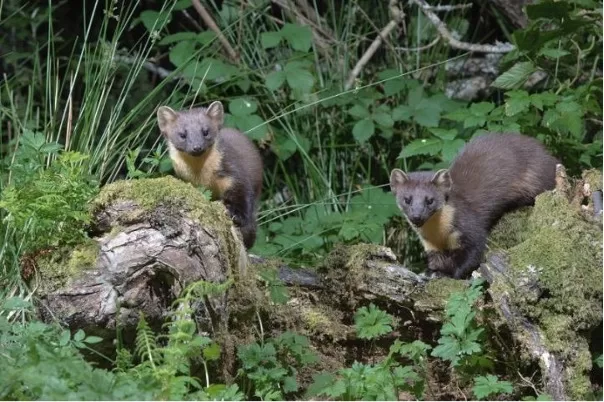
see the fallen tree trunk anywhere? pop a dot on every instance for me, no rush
(152, 238)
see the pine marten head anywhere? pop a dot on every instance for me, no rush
(191, 131)
(420, 194)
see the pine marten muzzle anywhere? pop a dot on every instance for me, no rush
(453, 210)
(222, 160)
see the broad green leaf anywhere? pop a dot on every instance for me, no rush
(451, 148)
(181, 52)
(363, 130)
(299, 37)
(274, 80)
(430, 146)
(485, 386)
(518, 101)
(443, 133)
(383, 119)
(548, 10)
(427, 113)
(402, 113)
(178, 37)
(515, 76)
(242, 106)
(253, 126)
(270, 39)
(153, 20)
(358, 111)
(300, 79)
(553, 53)
(394, 84)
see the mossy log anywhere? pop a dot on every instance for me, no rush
(151, 238)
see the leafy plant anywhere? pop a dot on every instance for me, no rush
(485, 386)
(371, 322)
(460, 335)
(48, 205)
(271, 367)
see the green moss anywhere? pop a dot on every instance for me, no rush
(153, 196)
(58, 267)
(510, 230)
(557, 259)
(433, 296)
(594, 178)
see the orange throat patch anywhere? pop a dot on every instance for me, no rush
(437, 233)
(201, 170)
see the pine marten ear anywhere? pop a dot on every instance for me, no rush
(442, 179)
(216, 112)
(397, 179)
(165, 117)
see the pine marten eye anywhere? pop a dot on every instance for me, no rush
(182, 134)
(205, 132)
(407, 200)
(429, 201)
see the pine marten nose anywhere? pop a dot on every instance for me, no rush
(197, 149)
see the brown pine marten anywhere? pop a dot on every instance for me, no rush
(453, 210)
(222, 160)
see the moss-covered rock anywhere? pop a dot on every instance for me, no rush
(555, 278)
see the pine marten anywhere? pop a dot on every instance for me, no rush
(222, 160)
(453, 210)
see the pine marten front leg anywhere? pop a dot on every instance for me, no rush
(462, 261)
(238, 202)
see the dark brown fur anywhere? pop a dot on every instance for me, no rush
(492, 175)
(223, 160)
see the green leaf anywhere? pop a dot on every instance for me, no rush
(253, 126)
(395, 82)
(485, 386)
(427, 113)
(92, 339)
(402, 113)
(178, 37)
(181, 52)
(211, 352)
(153, 20)
(515, 76)
(274, 80)
(553, 53)
(242, 106)
(363, 130)
(451, 148)
(290, 384)
(371, 322)
(518, 101)
(443, 133)
(270, 39)
(383, 119)
(300, 79)
(358, 111)
(79, 335)
(65, 337)
(430, 146)
(299, 37)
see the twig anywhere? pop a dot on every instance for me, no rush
(209, 21)
(448, 36)
(147, 65)
(419, 49)
(397, 16)
(449, 7)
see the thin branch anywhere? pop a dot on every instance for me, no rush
(454, 42)
(419, 49)
(147, 65)
(449, 7)
(209, 21)
(397, 16)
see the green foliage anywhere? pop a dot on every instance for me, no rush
(47, 205)
(460, 334)
(371, 322)
(270, 367)
(277, 290)
(485, 386)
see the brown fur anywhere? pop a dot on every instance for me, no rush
(222, 160)
(493, 174)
